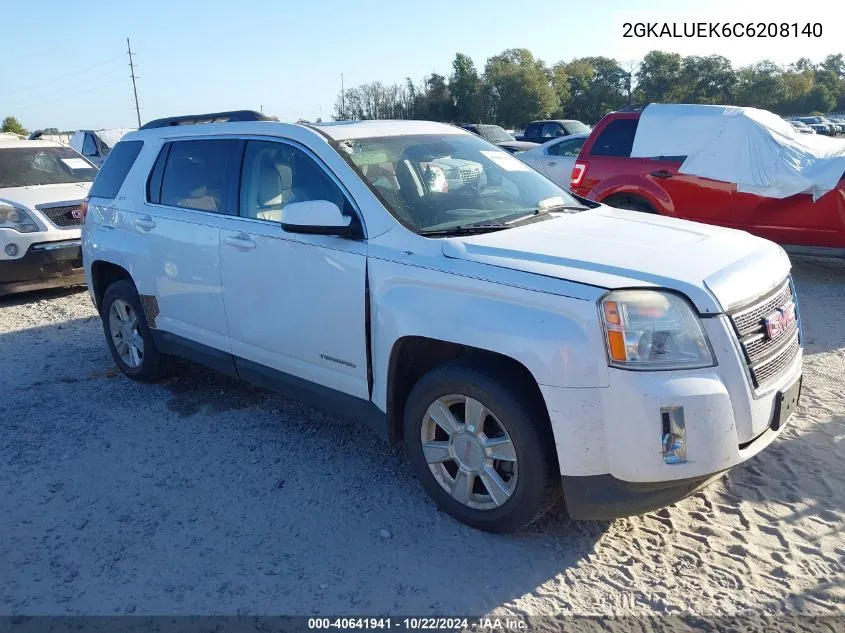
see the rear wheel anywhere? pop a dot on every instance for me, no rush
(128, 336)
(482, 452)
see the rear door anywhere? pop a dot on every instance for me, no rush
(190, 192)
(796, 220)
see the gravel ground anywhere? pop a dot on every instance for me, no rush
(204, 495)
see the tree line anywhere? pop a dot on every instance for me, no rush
(515, 87)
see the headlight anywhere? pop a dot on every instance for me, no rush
(453, 173)
(651, 330)
(17, 219)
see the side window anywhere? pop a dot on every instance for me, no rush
(276, 174)
(569, 149)
(552, 130)
(617, 139)
(533, 130)
(110, 178)
(154, 181)
(89, 145)
(196, 175)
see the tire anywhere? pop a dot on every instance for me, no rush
(630, 203)
(532, 481)
(121, 298)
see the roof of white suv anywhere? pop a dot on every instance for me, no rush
(340, 130)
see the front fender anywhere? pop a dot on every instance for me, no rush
(557, 338)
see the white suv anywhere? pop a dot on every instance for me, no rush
(42, 185)
(523, 343)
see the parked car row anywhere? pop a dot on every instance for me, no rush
(822, 125)
(95, 145)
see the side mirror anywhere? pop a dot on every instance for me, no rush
(319, 217)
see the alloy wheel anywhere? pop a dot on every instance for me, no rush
(469, 452)
(126, 334)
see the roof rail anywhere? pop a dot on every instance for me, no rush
(633, 108)
(211, 117)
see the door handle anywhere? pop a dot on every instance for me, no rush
(662, 174)
(145, 223)
(241, 242)
(551, 163)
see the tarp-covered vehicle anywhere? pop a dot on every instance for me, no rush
(738, 167)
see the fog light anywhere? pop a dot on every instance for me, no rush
(674, 435)
(12, 250)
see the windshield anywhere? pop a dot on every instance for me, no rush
(28, 166)
(432, 182)
(576, 127)
(494, 133)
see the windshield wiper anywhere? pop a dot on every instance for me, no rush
(516, 218)
(469, 229)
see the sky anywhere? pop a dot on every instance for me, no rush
(65, 64)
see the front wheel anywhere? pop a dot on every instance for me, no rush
(482, 452)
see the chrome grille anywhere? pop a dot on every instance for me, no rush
(766, 357)
(775, 366)
(62, 216)
(470, 174)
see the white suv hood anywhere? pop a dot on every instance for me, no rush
(716, 268)
(29, 197)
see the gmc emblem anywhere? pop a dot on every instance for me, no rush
(780, 320)
(76, 214)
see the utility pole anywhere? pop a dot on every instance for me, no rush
(134, 88)
(342, 98)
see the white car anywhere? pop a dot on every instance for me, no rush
(556, 158)
(802, 127)
(95, 145)
(42, 184)
(523, 346)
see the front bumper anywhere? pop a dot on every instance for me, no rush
(44, 265)
(603, 497)
(609, 440)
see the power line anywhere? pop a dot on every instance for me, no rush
(62, 77)
(39, 96)
(134, 87)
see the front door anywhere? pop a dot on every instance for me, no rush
(294, 303)
(692, 197)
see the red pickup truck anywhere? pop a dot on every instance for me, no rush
(605, 172)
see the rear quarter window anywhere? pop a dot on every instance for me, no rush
(617, 139)
(115, 168)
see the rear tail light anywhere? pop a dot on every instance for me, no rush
(83, 211)
(578, 172)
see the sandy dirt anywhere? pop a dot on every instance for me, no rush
(201, 495)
